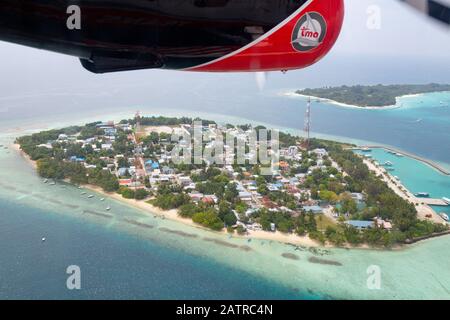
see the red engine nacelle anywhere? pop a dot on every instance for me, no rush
(298, 42)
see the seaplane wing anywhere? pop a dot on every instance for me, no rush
(188, 35)
(436, 9)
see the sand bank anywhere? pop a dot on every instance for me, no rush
(344, 105)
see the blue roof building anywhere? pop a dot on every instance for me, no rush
(313, 209)
(360, 224)
(77, 159)
(155, 165)
(122, 171)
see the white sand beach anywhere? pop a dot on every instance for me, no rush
(293, 94)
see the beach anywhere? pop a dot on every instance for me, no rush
(292, 239)
(344, 105)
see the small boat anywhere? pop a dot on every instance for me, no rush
(79, 187)
(90, 196)
(390, 169)
(446, 200)
(388, 164)
(52, 183)
(83, 193)
(444, 216)
(108, 208)
(102, 199)
(43, 239)
(366, 149)
(399, 155)
(422, 194)
(46, 180)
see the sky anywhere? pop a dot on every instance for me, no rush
(381, 41)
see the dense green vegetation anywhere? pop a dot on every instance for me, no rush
(222, 207)
(376, 96)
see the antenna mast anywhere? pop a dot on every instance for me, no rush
(307, 128)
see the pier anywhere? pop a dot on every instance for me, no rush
(432, 202)
(426, 161)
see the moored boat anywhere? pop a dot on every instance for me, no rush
(444, 216)
(422, 194)
(447, 200)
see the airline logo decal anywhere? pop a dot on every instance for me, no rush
(309, 32)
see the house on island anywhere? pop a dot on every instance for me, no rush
(313, 209)
(360, 224)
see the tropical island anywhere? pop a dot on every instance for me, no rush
(321, 190)
(371, 96)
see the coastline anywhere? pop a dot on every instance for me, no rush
(290, 239)
(149, 209)
(345, 105)
(173, 215)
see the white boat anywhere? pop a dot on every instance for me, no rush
(388, 164)
(52, 183)
(83, 193)
(447, 200)
(422, 194)
(90, 196)
(46, 180)
(108, 208)
(43, 239)
(366, 149)
(399, 155)
(102, 199)
(444, 216)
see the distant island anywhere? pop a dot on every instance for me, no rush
(371, 96)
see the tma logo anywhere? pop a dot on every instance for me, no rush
(309, 32)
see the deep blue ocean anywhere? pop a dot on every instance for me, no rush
(114, 265)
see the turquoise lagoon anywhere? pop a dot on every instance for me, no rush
(416, 176)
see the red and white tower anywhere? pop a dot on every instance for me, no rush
(307, 127)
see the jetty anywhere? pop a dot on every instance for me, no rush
(396, 151)
(432, 202)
